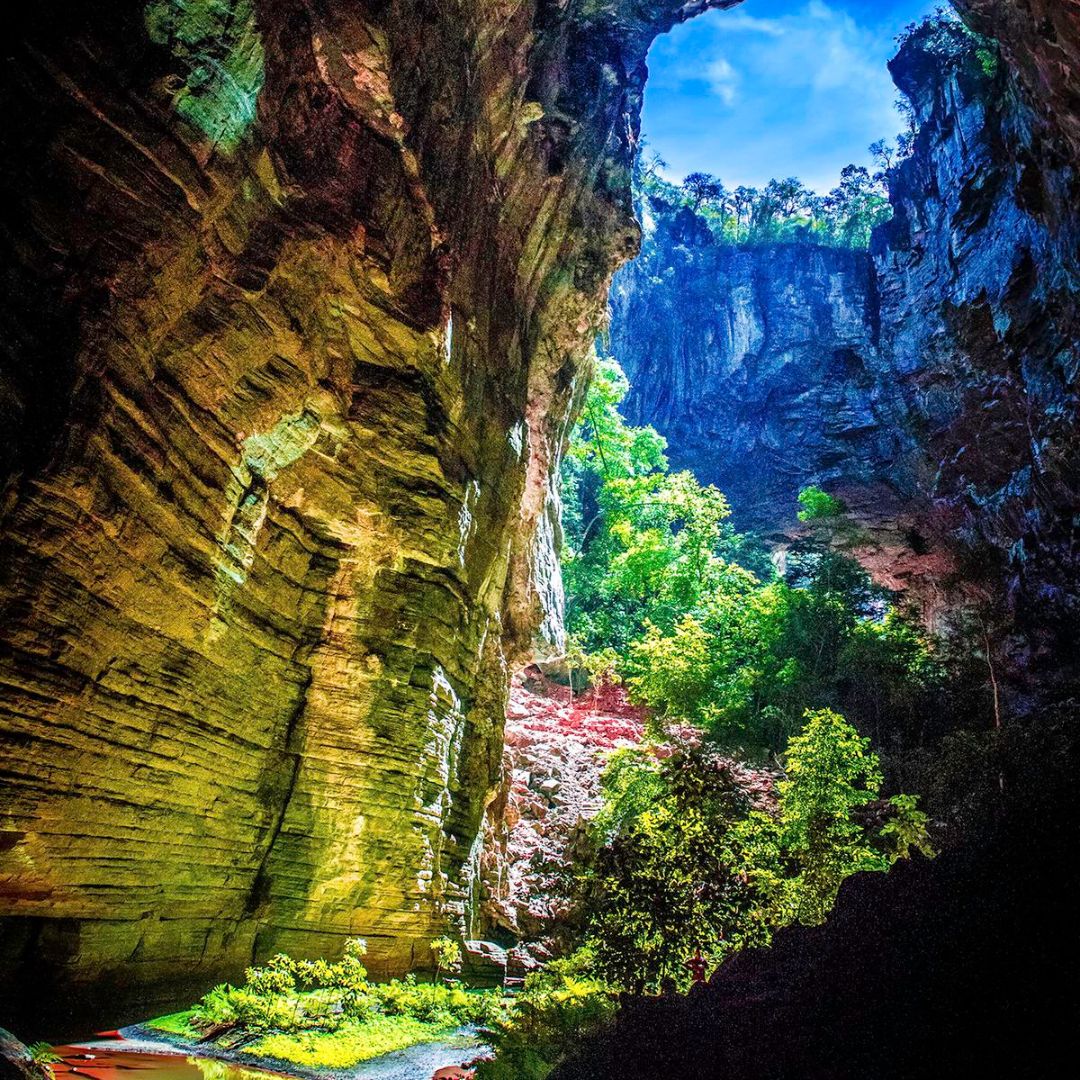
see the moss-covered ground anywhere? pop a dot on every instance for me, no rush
(354, 1042)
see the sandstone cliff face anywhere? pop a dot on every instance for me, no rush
(297, 299)
(759, 364)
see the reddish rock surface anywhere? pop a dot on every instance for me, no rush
(556, 746)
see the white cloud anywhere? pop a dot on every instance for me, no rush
(723, 79)
(802, 89)
(741, 22)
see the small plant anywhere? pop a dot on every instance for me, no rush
(447, 953)
(818, 505)
(43, 1054)
(558, 1008)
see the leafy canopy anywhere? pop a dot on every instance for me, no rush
(687, 859)
(693, 615)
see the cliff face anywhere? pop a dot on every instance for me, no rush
(933, 385)
(979, 277)
(759, 364)
(297, 301)
(920, 973)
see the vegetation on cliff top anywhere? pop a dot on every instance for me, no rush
(784, 211)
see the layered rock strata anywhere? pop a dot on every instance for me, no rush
(297, 302)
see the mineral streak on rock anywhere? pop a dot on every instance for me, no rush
(297, 305)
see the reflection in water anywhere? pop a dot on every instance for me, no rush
(210, 1069)
(98, 1061)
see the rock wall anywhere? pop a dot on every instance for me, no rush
(556, 746)
(297, 302)
(979, 278)
(759, 363)
(933, 384)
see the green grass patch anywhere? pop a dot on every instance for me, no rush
(352, 1043)
(178, 1023)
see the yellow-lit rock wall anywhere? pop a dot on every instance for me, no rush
(299, 298)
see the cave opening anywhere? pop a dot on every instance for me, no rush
(769, 132)
(412, 652)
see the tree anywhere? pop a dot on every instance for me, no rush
(884, 156)
(696, 867)
(641, 543)
(687, 860)
(818, 505)
(447, 953)
(703, 188)
(831, 772)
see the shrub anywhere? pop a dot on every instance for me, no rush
(557, 1009)
(818, 505)
(289, 996)
(42, 1053)
(447, 953)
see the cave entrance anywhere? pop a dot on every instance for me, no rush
(773, 89)
(747, 326)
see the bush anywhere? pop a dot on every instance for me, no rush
(447, 953)
(288, 997)
(557, 1009)
(818, 505)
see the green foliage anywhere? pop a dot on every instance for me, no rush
(783, 211)
(907, 827)
(318, 1012)
(686, 860)
(661, 590)
(818, 505)
(447, 953)
(751, 658)
(831, 771)
(642, 544)
(558, 1008)
(693, 866)
(178, 1023)
(43, 1054)
(354, 1043)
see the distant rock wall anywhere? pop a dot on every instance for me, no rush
(759, 363)
(979, 278)
(932, 383)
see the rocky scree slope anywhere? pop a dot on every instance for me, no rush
(297, 302)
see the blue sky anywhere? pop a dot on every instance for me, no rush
(776, 88)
